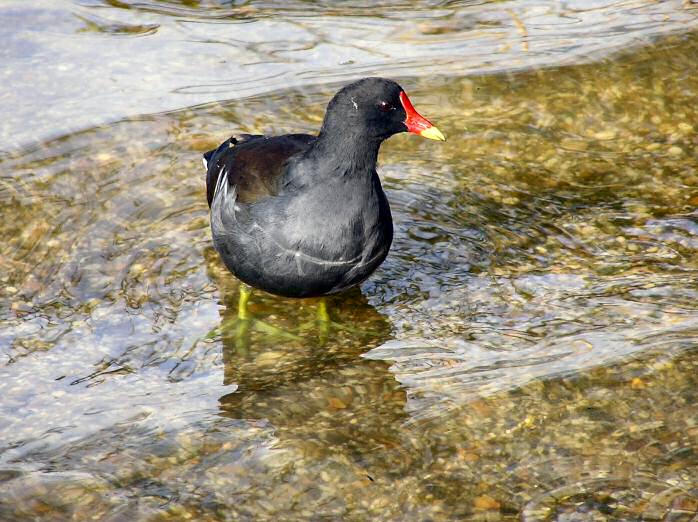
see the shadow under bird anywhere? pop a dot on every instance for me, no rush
(306, 216)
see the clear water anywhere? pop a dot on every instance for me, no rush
(527, 352)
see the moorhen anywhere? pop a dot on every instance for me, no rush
(305, 216)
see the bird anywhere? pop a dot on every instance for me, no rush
(299, 215)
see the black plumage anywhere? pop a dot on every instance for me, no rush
(301, 216)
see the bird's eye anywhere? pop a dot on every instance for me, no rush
(384, 106)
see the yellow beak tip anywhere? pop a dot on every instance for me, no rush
(432, 133)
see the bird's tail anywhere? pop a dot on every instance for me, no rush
(207, 157)
(230, 142)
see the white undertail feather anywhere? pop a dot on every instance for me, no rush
(219, 199)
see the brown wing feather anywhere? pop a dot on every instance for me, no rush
(254, 163)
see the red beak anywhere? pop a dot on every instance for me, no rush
(418, 124)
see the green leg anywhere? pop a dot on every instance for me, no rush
(245, 319)
(323, 319)
(322, 314)
(242, 337)
(242, 325)
(245, 293)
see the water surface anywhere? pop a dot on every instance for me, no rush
(73, 64)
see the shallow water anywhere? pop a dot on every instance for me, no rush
(527, 352)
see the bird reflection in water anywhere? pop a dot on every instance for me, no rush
(306, 383)
(323, 399)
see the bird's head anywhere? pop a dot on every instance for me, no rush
(376, 108)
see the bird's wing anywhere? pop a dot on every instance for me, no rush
(253, 164)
